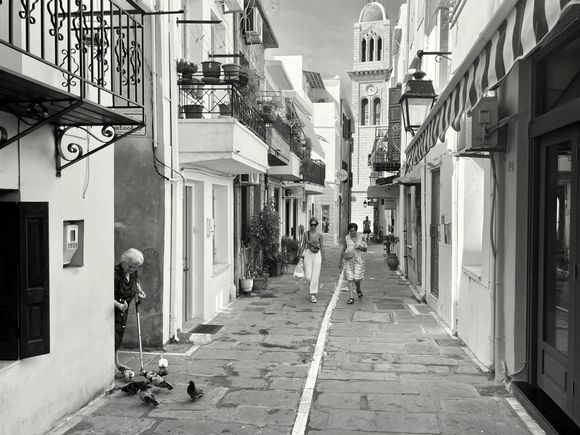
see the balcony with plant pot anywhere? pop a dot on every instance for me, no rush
(313, 176)
(218, 128)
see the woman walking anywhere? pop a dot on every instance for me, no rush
(313, 253)
(352, 259)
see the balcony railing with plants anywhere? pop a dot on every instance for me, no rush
(386, 155)
(203, 100)
(313, 171)
(95, 47)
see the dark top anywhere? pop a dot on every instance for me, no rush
(125, 290)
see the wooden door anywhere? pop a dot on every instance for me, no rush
(434, 231)
(558, 267)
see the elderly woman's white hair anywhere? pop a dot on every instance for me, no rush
(132, 256)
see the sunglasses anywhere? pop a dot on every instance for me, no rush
(313, 224)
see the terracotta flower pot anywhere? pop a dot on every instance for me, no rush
(246, 284)
(192, 111)
(231, 72)
(211, 69)
(392, 261)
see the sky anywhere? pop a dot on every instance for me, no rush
(320, 30)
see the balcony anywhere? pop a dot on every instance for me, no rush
(279, 137)
(386, 154)
(71, 64)
(313, 175)
(219, 130)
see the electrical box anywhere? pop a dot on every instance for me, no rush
(480, 129)
(72, 243)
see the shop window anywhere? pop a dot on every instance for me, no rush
(364, 112)
(24, 280)
(377, 111)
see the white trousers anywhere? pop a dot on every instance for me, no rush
(312, 266)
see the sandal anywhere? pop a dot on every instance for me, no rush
(359, 294)
(313, 299)
(350, 301)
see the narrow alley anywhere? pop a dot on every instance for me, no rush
(387, 366)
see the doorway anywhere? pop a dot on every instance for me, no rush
(193, 259)
(434, 231)
(558, 358)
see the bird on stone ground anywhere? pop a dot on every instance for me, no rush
(146, 395)
(158, 381)
(133, 387)
(162, 364)
(193, 392)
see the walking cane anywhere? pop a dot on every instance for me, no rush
(137, 302)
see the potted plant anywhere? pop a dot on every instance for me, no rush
(231, 72)
(187, 82)
(225, 109)
(289, 246)
(390, 242)
(211, 69)
(192, 111)
(264, 236)
(260, 277)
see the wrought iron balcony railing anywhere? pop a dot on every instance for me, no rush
(313, 171)
(95, 47)
(386, 155)
(202, 100)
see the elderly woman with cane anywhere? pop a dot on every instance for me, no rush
(352, 259)
(127, 287)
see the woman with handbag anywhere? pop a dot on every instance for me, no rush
(313, 254)
(352, 259)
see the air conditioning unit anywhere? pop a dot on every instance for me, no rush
(249, 179)
(479, 131)
(252, 25)
(233, 6)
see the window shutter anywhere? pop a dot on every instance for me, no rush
(9, 281)
(34, 280)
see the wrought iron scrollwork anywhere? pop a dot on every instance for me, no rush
(121, 54)
(69, 79)
(27, 10)
(57, 16)
(135, 62)
(70, 144)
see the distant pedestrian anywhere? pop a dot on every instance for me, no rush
(352, 259)
(367, 229)
(313, 254)
(126, 288)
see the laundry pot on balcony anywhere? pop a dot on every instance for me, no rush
(392, 261)
(225, 109)
(192, 111)
(191, 85)
(231, 72)
(211, 69)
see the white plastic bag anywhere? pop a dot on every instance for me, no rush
(299, 270)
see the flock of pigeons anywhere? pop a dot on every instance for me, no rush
(155, 378)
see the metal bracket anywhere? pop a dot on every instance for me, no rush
(73, 152)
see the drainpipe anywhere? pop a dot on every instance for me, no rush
(496, 302)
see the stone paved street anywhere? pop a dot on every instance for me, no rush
(382, 370)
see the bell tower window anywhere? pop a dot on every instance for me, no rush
(372, 50)
(364, 112)
(377, 111)
(379, 48)
(363, 56)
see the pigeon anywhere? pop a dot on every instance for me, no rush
(158, 381)
(193, 392)
(163, 362)
(162, 371)
(146, 395)
(133, 387)
(129, 375)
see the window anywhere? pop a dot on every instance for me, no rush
(372, 50)
(377, 111)
(24, 280)
(364, 112)
(379, 48)
(363, 56)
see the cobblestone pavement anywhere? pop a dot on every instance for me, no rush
(382, 371)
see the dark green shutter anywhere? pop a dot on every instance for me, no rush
(34, 280)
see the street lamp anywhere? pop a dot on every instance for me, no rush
(419, 95)
(417, 101)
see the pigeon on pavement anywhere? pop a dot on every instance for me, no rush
(146, 395)
(193, 392)
(158, 381)
(133, 387)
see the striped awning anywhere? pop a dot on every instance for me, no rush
(525, 25)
